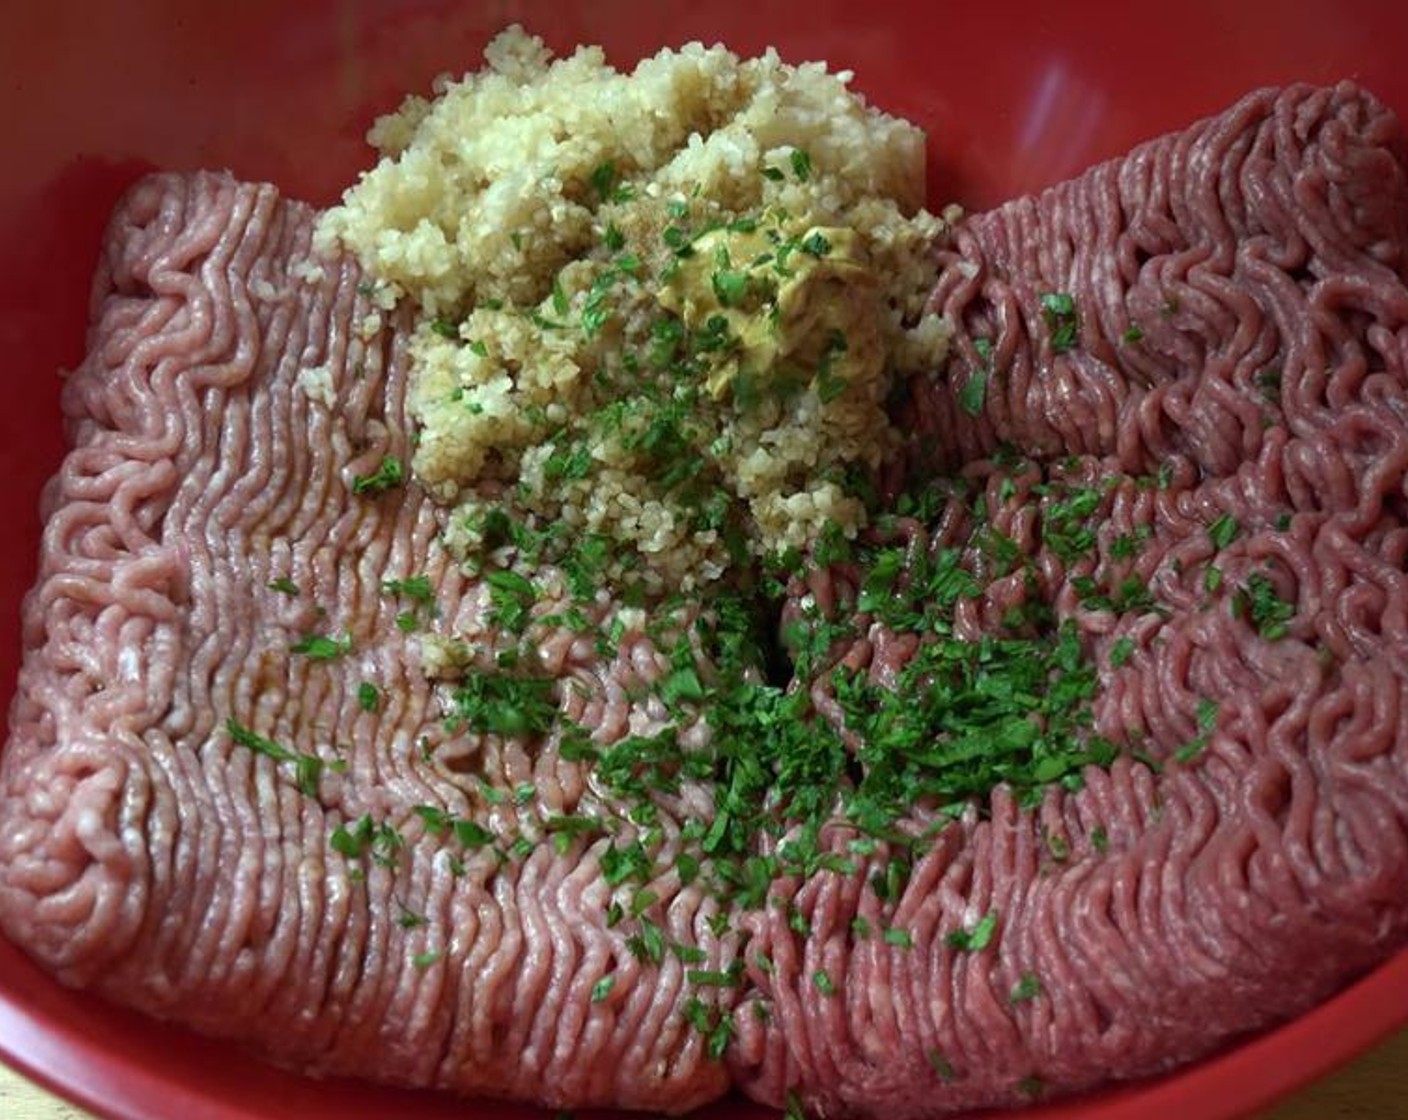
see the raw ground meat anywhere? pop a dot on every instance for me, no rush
(236, 388)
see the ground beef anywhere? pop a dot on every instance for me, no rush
(1168, 907)
(150, 857)
(1237, 349)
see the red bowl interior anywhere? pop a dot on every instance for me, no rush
(1014, 96)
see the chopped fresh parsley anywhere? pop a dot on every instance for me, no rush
(502, 704)
(973, 393)
(604, 182)
(415, 588)
(390, 474)
(941, 1065)
(308, 768)
(1062, 321)
(284, 586)
(320, 647)
(1120, 651)
(511, 597)
(1207, 711)
(366, 837)
(1224, 530)
(976, 939)
(602, 988)
(730, 287)
(1027, 988)
(1031, 1086)
(1259, 602)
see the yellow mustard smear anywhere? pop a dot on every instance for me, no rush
(806, 307)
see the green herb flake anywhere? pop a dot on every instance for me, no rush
(1027, 988)
(415, 588)
(1224, 530)
(1100, 840)
(823, 982)
(244, 737)
(648, 944)
(308, 772)
(408, 918)
(976, 939)
(602, 988)
(390, 474)
(973, 393)
(1124, 547)
(319, 647)
(1264, 607)
(365, 837)
(712, 978)
(730, 287)
(603, 179)
(1207, 714)
(511, 598)
(422, 961)
(472, 834)
(437, 821)
(1031, 1086)
(940, 1065)
(308, 768)
(720, 1036)
(801, 164)
(284, 586)
(1062, 320)
(901, 938)
(504, 704)
(1120, 651)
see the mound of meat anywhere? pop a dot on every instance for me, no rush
(207, 816)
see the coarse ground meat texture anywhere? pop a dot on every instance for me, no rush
(147, 856)
(236, 389)
(1171, 905)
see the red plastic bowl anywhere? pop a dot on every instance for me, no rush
(1014, 96)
